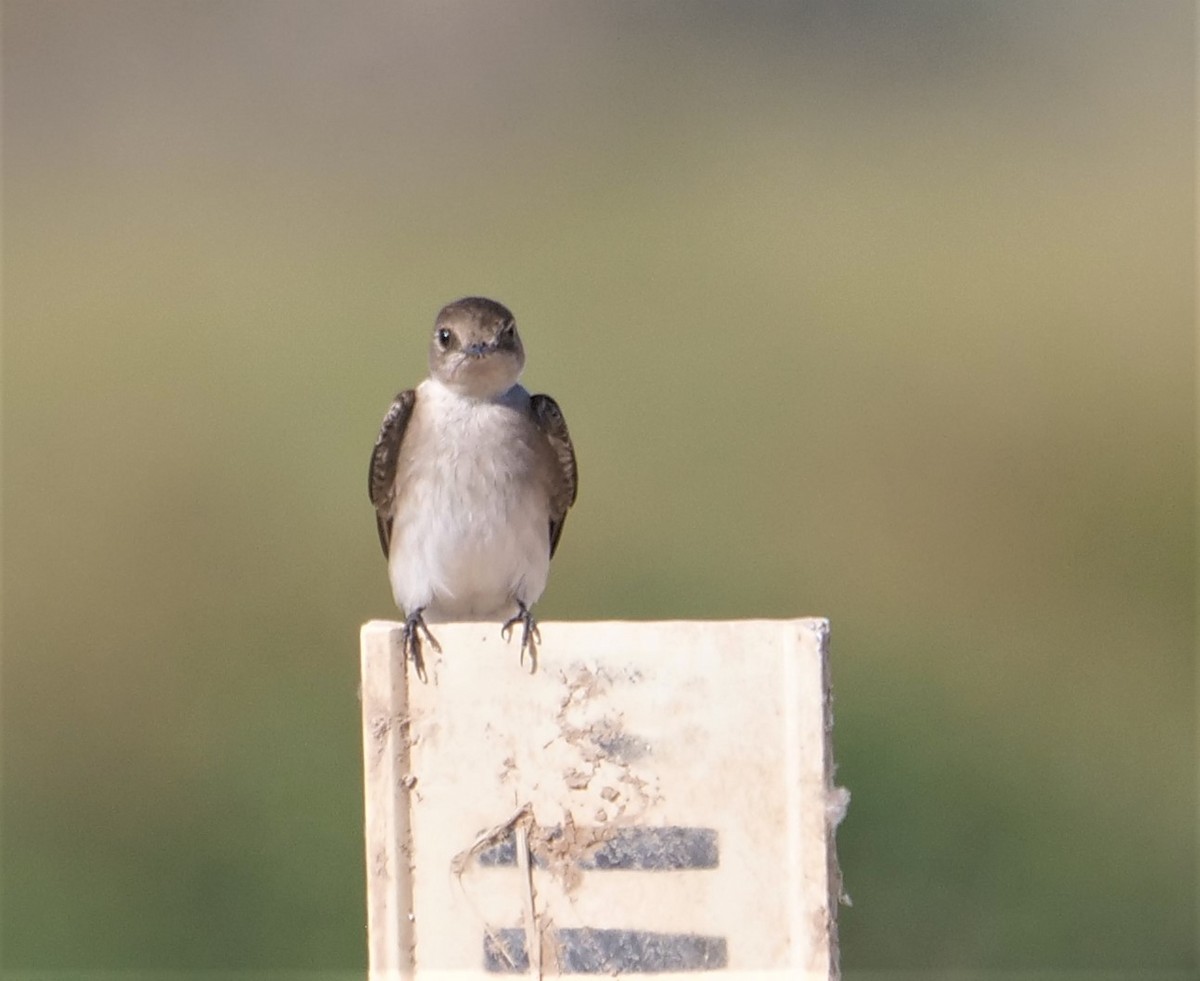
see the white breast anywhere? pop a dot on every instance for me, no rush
(470, 536)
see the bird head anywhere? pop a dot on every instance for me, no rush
(475, 349)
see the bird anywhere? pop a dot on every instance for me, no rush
(471, 478)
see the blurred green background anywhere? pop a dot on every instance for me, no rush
(876, 310)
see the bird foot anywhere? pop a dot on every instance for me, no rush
(530, 635)
(414, 626)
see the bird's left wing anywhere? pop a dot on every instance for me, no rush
(550, 421)
(382, 483)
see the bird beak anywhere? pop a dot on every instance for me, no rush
(479, 350)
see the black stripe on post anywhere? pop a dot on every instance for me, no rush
(656, 850)
(588, 951)
(635, 850)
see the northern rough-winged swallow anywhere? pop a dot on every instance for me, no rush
(471, 479)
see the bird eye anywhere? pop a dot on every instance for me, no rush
(508, 330)
(443, 336)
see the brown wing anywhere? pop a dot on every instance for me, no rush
(382, 483)
(550, 421)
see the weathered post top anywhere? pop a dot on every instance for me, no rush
(656, 798)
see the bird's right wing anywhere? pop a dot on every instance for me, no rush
(382, 484)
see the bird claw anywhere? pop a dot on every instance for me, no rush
(530, 635)
(414, 626)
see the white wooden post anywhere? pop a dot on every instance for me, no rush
(656, 798)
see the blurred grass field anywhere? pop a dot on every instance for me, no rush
(882, 311)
